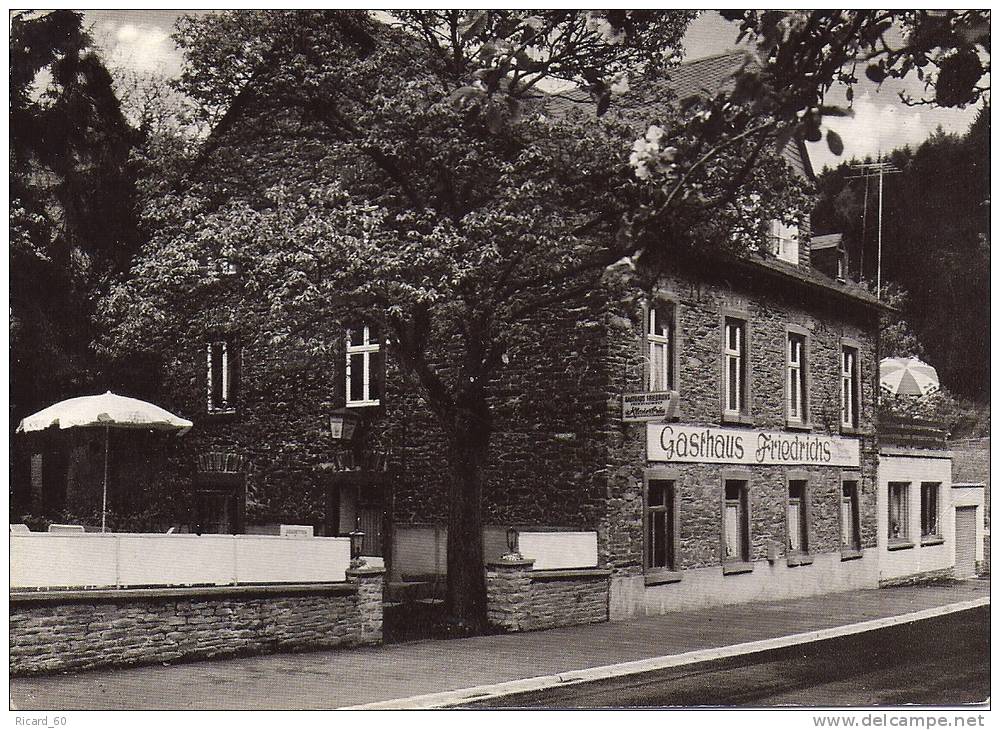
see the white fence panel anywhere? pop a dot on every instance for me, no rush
(41, 560)
(264, 559)
(555, 550)
(158, 559)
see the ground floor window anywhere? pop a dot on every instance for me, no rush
(736, 522)
(850, 519)
(929, 523)
(797, 517)
(899, 511)
(660, 525)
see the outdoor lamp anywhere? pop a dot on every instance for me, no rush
(357, 543)
(342, 424)
(512, 553)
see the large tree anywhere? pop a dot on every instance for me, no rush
(72, 216)
(72, 202)
(410, 169)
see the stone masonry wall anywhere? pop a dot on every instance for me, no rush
(702, 301)
(74, 631)
(546, 458)
(520, 600)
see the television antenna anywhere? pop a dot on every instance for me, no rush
(869, 170)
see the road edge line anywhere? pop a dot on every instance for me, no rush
(451, 698)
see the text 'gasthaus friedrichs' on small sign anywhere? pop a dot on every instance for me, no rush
(671, 442)
(652, 406)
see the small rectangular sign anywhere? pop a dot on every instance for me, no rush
(705, 444)
(654, 406)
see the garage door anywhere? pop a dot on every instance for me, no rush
(965, 542)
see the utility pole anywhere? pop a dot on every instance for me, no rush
(869, 170)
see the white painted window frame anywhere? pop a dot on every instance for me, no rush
(659, 381)
(850, 387)
(937, 509)
(904, 511)
(784, 242)
(795, 365)
(226, 405)
(734, 355)
(850, 530)
(366, 349)
(797, 518)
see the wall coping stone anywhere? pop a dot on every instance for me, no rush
(366, 570)
(569, 573)
(153, 594)
(523, 563)
(928, 453)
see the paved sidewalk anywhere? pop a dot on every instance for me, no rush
(331, 679)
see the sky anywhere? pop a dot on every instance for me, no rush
(140, 39)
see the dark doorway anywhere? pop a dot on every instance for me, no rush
(220, 504)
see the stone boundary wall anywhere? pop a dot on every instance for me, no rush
(59, 630)
(520, 599)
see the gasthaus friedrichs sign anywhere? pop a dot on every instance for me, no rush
(671, 442)
(655, 406)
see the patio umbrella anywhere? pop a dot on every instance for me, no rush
(110, 411)
(907, 376)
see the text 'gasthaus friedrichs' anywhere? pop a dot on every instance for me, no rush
(740, 446)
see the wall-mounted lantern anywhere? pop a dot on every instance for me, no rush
(343, 424)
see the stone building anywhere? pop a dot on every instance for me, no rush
(714, 438)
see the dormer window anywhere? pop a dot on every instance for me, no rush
(783, 242)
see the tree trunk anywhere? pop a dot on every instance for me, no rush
(468, 445)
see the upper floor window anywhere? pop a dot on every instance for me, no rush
(734, 351)
(660, 348)
(850, 387)
(784, 242)
(223, 361)
(363, 367)
(795, 381)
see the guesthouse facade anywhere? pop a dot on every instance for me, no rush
(706, 440)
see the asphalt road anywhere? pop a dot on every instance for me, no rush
(940, 661)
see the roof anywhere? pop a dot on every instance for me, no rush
(830, 240)
(703, 76)
(710, 76)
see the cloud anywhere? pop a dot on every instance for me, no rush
(145, 48)
(881, 123)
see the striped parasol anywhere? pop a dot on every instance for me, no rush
(907, 376)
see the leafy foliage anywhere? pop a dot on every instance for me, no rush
(71, 215)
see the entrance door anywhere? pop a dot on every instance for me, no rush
(371, 517)
(965, 542)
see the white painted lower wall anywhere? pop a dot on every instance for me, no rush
(704, 587)
(914, 469)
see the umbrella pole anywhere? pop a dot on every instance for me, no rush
(104, 497)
